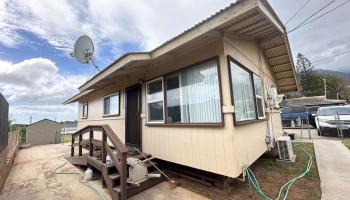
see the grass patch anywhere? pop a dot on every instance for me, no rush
(271, 175)
(23, 134)
(347, 143)
(66, 138)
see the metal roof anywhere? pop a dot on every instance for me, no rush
(311, 101)
(254, 19)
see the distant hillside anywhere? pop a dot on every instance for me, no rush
(336, 73)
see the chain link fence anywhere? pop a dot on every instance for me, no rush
(340, 128)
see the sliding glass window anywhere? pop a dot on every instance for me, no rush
(111, 104)
(155, 100)
(259, 97)
(248, 94)
(85, 109)
(243, 95)
(193, 95)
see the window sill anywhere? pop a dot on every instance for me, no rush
(251, 121)
(114, 115)
(214, 125)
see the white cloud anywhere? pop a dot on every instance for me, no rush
(111, 22)
(37, 80)
(37, 87)
(322, 38)
(147, 24)
(22, 114)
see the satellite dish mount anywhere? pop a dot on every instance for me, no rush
(84, 51)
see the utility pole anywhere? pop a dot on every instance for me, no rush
(325, 88)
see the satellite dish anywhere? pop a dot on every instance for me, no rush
(84, 50)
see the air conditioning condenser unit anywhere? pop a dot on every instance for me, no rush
(285, 149)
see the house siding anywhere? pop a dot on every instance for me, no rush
(223, 150)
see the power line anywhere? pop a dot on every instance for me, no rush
(318, 11)
(325, 13)
(295, 14)
(324, 59)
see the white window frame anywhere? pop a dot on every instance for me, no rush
(163, 99)
(111, 114)
(87, 110)
(260, 97)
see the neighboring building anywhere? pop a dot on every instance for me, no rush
(199, 99)
(313, 103)
(43, 132)
(69, 127)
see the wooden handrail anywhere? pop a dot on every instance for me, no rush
(118, 159)
(115, 140)
(113, 157)
(87, 129)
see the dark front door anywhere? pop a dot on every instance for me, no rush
(132, 113)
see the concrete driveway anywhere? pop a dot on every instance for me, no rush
(33, 178)
(333, 161)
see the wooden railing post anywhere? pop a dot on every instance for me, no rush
(91, 148)
(123, 177)
(72, 147)
(80, 146)
(104, 141)
(119, 159)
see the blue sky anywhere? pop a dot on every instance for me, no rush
(37, 73)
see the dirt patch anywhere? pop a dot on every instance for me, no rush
(33, 177)
(272, 175)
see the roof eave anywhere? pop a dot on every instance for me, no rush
(269, 13)
(197, 30)
(119, 63)
(76, 97)
(202, 28)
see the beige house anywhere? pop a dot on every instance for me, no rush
(201, 98)
(43, 132)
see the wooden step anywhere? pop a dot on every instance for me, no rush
(77, 160)
(133, 189)
(114, 176)
(139, 156)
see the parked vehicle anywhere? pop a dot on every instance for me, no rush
(328, 118)
(289, 114)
